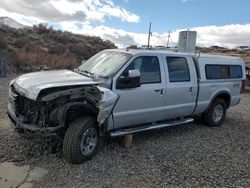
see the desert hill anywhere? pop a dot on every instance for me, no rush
(27, 48)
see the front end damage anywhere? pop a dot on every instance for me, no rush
(55, 108)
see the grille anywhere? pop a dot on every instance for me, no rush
(26, 105)
(23, 106)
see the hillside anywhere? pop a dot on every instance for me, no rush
(244, 54)
(26, 49)
(11, 23)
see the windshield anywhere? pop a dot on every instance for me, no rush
(105, 63)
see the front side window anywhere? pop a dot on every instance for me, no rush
(178, 69)
(149, 68)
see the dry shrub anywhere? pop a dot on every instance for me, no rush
(32, 60)
(27, 49)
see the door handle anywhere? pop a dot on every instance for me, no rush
(160, 91)
(190, 89)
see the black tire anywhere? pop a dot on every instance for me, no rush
(73, 140)
(21, 133)
(24, 136)
(211, 118)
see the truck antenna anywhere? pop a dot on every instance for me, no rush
(168, 38)
(186, 46)
(149, 34)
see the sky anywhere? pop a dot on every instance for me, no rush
(125, 22)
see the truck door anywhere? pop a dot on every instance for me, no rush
(145, 103)
(181, 86)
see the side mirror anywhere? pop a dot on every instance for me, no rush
(130, 81)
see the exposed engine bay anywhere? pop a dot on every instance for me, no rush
(55, 108)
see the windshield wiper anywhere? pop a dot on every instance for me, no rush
(90, 74)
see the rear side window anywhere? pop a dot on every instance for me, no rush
(178, 69)
(213, 72)
(235, 71)
(223, 71)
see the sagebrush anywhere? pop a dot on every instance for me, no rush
(28, 49)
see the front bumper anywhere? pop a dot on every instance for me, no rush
(29, 129)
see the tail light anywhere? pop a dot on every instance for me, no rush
(242, 90)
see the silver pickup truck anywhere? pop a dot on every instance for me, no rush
(119, 92)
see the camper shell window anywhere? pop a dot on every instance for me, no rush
(223, 71)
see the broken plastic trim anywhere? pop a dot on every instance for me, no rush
(105, 99)
(106, 104)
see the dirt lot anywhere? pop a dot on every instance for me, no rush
(191, 155)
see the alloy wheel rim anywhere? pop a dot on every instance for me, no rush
(218, 113)
(88, 141)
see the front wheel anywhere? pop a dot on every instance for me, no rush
(216, 114)
(82, 141)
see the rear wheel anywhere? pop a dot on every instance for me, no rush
(216, 114)
(25, 134)
(82, 141)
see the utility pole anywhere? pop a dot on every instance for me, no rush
(168, 38)
(149, 34)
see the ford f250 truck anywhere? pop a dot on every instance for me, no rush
(119, 92)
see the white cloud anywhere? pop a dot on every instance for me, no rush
(66, 17)
(69, 10)
(25, 20)
(119, 13)
(227, 36)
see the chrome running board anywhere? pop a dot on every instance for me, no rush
(123, 132)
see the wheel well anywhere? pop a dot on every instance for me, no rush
(77, 111)
(226, 97)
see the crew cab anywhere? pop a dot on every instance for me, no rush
(119, 92)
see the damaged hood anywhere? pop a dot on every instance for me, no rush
(31, 84)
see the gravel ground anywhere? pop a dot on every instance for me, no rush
(190, 155)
